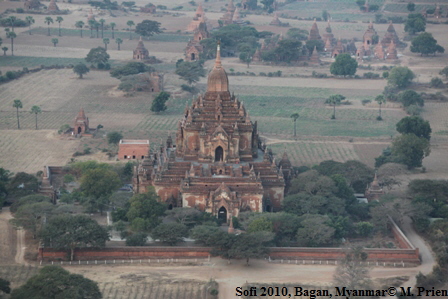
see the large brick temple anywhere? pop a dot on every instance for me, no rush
(217, 162)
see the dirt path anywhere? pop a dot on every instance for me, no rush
(20, 241)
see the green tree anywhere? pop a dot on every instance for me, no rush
(169, 233)
(130, 25)
(137, 239)
(48, 21)
(54, 41)
(260, 224)
(12, 21)
(131, 68)
(334, 100)
(80, 25)
(315, 231)
(325, 15)
(99, 183)
(246, 57)
(98, 56)
(148, 28)
(267, 5)
(380, 99)
(114, 137)
(53, 282)
(30, 20)
(410, 97)
(190, 71)
(119, 41)
(414, 125)
(106, 41)
(444, 71)
(102, 21)
(36, 110)
(158, 104)
(145, 210)
(294, 117)
(5, 286)
(59, 19)
(67, 232)
(410, 149)
(415, 23)
(80, 69)
(18, 105)
(288, 50)
(250, 245)
(4, 49)
(207, 235)
(12, 36)
(112, 26)
(344, 65)
(411, 6)
(91, 23)
(32, 216)
(426, 44)
(400, 76)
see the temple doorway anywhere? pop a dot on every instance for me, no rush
(79, 130)
(222, 214)
(219, 154)
(193, 56)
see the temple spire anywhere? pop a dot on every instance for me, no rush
(218, 56)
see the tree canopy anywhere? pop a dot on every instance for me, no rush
(145, 211)
(411, 97)
(426, 44)
(415, 23)
(131, 68)
(80, 69)
(53, 282)
(99, 182)
(98, 56)
(114, 137)
(400, 76)
(414, 125)
(158, 104)
(170, 233)
(410, 149)
(190, 71)
(148, 28)
(344, 65)
(68, 232)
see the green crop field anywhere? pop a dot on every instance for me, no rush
(30, 61)
(108, 34)
(309, 153)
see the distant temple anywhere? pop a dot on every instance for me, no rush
(140, 53)
(53, 6)
(314, 32)
(217, 162)
(228, 16)
(374, 191)
(199, 17)
(391, 35)
(81, 123)
(32, 5)
(194, 47)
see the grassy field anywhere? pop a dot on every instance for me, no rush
(34, 61)
(108, 34)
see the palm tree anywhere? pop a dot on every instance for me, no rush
(18, 105)
(102, 21)
(334, 100)
(36, 110)
(48, 21)
(106, 42)
(29, 20)
(130, 24)
(4, 50)
(295, 116)
(54, 41)
(91, 24)
(12, 36)
(12, 21)
(112, 26)
(79, 25)
(59, 20)
(97, 27)
(380, 100)
(119, 41)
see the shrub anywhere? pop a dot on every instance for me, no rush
(137, 239)
(436, 83)
(366, 101)
(413, 110)
(370, 75)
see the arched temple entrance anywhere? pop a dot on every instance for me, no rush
(79, 130)
(219, 154)
(222, 214)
